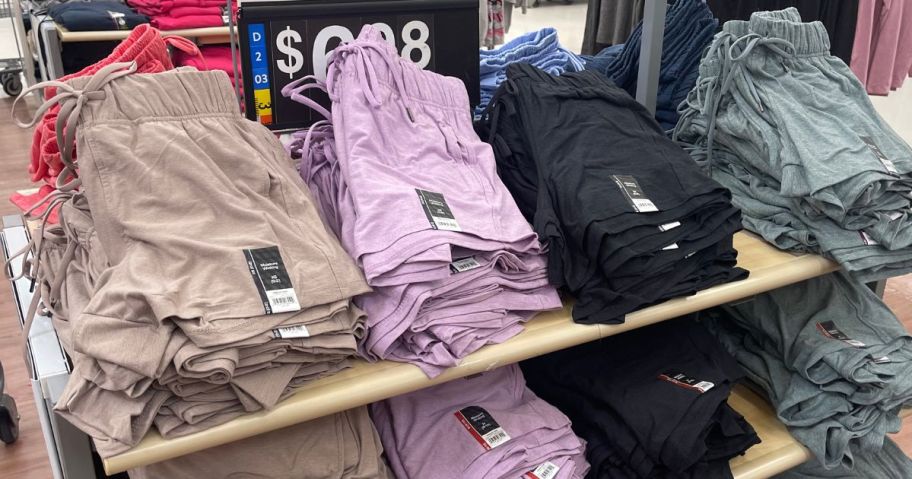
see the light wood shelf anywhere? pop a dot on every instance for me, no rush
(209, 34)
(551, 331)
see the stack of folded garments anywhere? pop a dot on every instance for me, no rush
(149, 50)
(540, 48)
(95, 15)
(186, 323)
(484, 426)
(413, 195)
(628, 218)
(890, 462)
(178, 14)
(689, 28)
(210, 58)
(834, 360)
(791, 132)
(338, 446)
(650, 403)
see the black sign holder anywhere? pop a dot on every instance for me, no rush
(453, 41)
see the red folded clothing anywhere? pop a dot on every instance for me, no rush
(25, 202)
(147, 48)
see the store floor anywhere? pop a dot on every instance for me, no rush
(27, 458)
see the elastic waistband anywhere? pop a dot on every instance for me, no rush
(738, 28)
(174, 93)
(808, 38)
(586, 83)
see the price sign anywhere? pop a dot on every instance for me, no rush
(282, 41)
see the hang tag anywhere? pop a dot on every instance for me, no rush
(670, 247)
(829, 329)
(634, 194)
(669, 226)
(482, 426)
(225, 13)
(886, 162)
(438, 211)
(291, 332)
(547, 470)
(464, 264)
(685, 381)
(867, 239)
(881, 360)
(120, 22)
(895, 215)
(272, 280)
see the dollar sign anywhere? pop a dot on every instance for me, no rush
(295, 59)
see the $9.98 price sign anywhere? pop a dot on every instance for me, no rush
(290, 59)
(284, 41)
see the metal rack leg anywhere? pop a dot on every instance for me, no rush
(651, 53)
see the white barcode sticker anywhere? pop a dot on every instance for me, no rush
(547, 470)
(669, 226)
(670, 247)
(464, 264)
(290, 332)
(496, 437)
(283, 300)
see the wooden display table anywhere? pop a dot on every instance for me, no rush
(204, 35)
(368, 382)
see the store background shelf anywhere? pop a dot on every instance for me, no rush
(551, 331)
(209, 34)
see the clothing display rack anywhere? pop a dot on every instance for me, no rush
(365, 383)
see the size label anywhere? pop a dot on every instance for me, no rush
(886, 162)
(272, 280)
(634, 194)
(438, 211)
(829, 329)
(669, 226)
(685, 381)
(291, 332)
(482, 426)
(464, 264)
(547, 470)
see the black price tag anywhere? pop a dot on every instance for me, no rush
(482, 426)
(282, 41)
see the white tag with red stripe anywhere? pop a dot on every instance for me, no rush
(547, 470)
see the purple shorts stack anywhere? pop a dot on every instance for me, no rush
(413, 194)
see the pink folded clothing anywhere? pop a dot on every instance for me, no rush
(210, 58)
(190, 11)
(192, 21)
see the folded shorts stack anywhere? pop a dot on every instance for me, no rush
(834, 360)
(191, 279)
(484, 426)
(791, 132)
(540, 48)
(689, 28)
(650, 403)
(412, 193)
(628, 218)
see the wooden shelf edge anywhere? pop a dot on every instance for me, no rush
(548, 332)
(67, 36)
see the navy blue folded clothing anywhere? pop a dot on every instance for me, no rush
(94, 16)
(689, 29)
